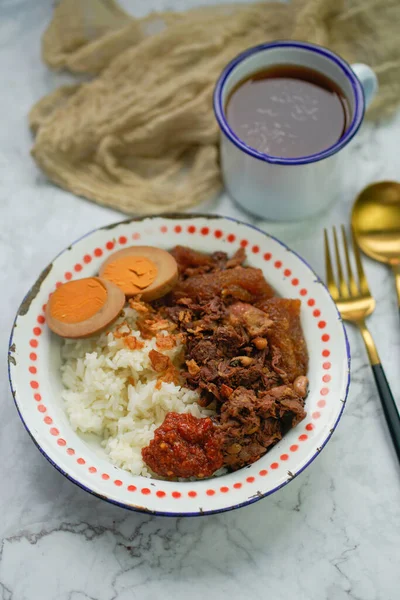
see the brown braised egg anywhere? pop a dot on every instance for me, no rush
(145, 270)
(83, 307)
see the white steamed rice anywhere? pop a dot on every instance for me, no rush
(98, 374)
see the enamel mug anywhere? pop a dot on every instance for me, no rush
(287, 189)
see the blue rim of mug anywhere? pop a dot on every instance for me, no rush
(358, 112)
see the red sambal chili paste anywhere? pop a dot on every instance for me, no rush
(184, 446)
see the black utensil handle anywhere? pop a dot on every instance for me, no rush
(389, 406)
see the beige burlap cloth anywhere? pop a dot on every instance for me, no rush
(140, 135)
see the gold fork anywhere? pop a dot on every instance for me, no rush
(355, 303)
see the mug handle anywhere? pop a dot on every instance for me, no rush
(368, 80)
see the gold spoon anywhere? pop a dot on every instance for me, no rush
(376, 223)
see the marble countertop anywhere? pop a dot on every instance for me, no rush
(332, 534)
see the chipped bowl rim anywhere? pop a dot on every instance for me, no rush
(112, 497)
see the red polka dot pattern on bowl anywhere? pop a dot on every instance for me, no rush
(214, 486)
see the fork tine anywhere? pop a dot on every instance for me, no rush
(352, 282)
(330, 278)
(363, 283)
(343, 289)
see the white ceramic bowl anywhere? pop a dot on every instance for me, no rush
(34, 361)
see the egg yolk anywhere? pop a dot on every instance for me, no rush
(77, 301)
(132, 274)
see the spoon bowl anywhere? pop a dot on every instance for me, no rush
(376, 224)
(376, 221)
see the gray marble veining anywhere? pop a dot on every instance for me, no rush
(332, 534)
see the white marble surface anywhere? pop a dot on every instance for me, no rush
(332, 534)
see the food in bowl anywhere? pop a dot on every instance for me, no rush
(35, 360)
(83, 307)
(204, 379)
(151, 272)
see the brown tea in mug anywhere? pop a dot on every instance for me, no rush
(288, 111)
